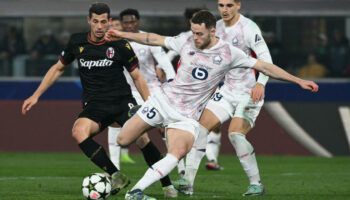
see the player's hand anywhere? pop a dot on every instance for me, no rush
(258, 92)
(113, 35)
(309, 85)
(28, 104)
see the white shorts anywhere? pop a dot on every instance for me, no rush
(158, 113)
(226, 105)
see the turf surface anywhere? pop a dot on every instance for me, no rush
(53, 176)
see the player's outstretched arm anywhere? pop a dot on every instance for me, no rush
(140, 84)
(278, 73)
(143, 38)
(51, 76)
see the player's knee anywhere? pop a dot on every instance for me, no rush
(122, 141)
(179, 152)
(142, 141)
(79, 134)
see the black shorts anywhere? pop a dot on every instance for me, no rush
(107, 112)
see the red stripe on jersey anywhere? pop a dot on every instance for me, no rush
(92, 42)
(253, 54)
(61, 59)
(178, 64)
(137, 64)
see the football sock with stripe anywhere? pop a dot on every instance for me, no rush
(152, 155)
(157, 171)
(246, 155)
(97, 155)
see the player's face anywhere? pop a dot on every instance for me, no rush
(117, 25)
(201, 35)
(228, 9)
(98, 25)
(130, 23)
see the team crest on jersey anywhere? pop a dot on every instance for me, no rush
(110, 52)
(62, 54)
(142, 52)
(236, 42)
(81, 49)
(217, 60)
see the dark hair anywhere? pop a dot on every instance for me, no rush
(99, 9)
(237, 1)
(190, 11)
(115, 18)
(205, 17)
(129, 11)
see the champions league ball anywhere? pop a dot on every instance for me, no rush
(96, 186)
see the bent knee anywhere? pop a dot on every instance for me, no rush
(80, 134)
(123, 141)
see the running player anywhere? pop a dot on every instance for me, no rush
(239, 99)
(205, 59)
(130, 21)
(106, 95)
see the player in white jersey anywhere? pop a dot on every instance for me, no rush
(239, 99)
(146, 54)
(205, 59)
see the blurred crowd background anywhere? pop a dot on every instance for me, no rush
(311, 44)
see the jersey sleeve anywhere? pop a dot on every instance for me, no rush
(241, 59)
(257, 43)
(176, 43)
(67, 55)
(130, 60)
(163, 61)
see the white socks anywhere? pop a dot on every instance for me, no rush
(193, 159)
(181, 166)
(114, 148)
(157, 171)
(213, 147)
(124, 150)
(246, 156)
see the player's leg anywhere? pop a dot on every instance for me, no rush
(184, 185)
(213, 149)
(179, 143)
(114, 149)
(83, 130)
(152, 155)
(193, 159)
(240, 125)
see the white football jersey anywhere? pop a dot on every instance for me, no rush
(199, 73)
(147, 65)
(245, 35)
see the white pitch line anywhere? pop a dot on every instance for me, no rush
(344, 112)
(34, 178)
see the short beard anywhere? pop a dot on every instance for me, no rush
(205, 45)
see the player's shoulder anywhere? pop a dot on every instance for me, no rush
(122, 43)
(79, 37)
(248, 24)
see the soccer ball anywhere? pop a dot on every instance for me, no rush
(96, 186)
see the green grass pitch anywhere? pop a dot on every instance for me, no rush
(58, 176)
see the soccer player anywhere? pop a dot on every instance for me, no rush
(205, 59)
(130, 21)
(239, 99)
(106, 95)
